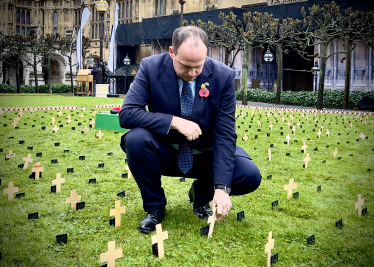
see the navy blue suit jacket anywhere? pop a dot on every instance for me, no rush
(156, 85)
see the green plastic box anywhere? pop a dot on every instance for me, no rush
(107, 121)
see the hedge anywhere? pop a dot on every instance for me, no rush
(56, 88)
(331, 98)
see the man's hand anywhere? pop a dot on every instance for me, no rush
(222, 202)
(188, 128)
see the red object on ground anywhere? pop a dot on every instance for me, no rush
(117, 109)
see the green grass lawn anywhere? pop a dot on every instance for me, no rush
(26, 242)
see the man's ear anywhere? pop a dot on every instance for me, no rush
(171, 52)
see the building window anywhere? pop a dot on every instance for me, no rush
(76, 17)
(123, 10)
(93, 32)
(97, 16)
(131, 9)
(96, 35)
(161, 2)
(28, 31)
(156, 6)
(28, 18)
(93, 14)
(17, 30)
(18, 17)
(23, 31)
(55, 18)
(127, 9)
(119, 11)
(54, 31)
(165, 7)
(23, 17)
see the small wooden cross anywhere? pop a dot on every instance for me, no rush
(27, 160)
(288, 137)
(307, 118)
(351, 125)
(362, 136)
(111, 255)
(68, 117)
(290, 187)
(94, 114)
(37, 169)
(322, 127)
(159, 238)
(99, 134)
(304, 147)
(245, 137)
(306, 160)
(236, 115)
(58, 181)
(269, 151)
(335, 152)
(293, 129)
(288, 124)
(319, 133)
(371, 122)
(59, 113)
(268, 247)
(252, 113)
(275, 115)
(129, 175)
(366, 121)
(83, 109)
(15, 123)
(298, 124)
(241, 112)
(291, 117)
(32, 110)
(20, 113)
(259, 123)
(211, 220)
(10, 190)
(55, 129)
(282, 118)
(117, 211)
(302, 116)
(73, 199)
(359, 204)
(53, 120)
(268, 114)
(11, 155)
(92, 123)
(85, 130)
(271, 126)
(68, 121)
(81, 116)
(328, 133)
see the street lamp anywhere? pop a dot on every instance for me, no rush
(315, 70)
(268, 57)
(181, 2)
(101, 7)
(126, 62)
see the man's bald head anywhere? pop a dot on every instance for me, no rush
(181, 34)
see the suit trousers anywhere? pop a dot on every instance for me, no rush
(150, 156)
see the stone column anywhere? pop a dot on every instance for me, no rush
(370, 68)
(353, 67)
(335, 64)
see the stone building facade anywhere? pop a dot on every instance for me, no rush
(20, 16)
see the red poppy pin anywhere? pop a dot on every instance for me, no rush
(204, 92)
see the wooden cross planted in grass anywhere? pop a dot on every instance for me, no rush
(298, 124)
(11, 155)
(10, 190)
(211, 220)
(99, 134)
(362, 136)
(259, 123)
(271, 126)
(319, 133)
(304, 147)
(81, 116)
(73, 199)
(289, 187)
(268, 247)
(117, 211)
(288, 137)
(335, 152)
(306, 160)
(92, 123)
(288, 124)
(328, 133)
(37, 169)
(27, 160)
(359, 204)
(59, 113)
(129, 175)
(245, 137)
(55, 129)
(111, 255)
(293, 129)
(269, 151)
(83, 109)
(158, 239)
(15, 123)
(85, 130)
(53, 120)
(351, 125)
(58, 181)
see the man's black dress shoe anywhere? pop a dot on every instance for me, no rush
(148, 224)
(202, 212)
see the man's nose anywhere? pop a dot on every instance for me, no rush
(192, 72)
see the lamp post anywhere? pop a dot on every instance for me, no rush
(126, 62)
(268, 57)
(101, 7)
(315, 70)
(181, 2)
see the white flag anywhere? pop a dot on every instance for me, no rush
(85, 15)
(112, 48)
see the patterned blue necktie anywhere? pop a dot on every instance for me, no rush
(185, 151)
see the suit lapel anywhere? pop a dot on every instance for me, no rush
(199, 105)
(169, 79)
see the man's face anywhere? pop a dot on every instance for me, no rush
(189, 60)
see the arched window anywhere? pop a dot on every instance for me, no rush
(93, 32)
(79, 18)
(28, 18)
(127, 9)
(76, 17)
(131, 9)
(156, 6)
(165, 2)
(17, 31)
(54, 31)
(161, 2)
(23, 17)
(18, 17)
(93, 13)
(123, 10)
(55, 18)
(119, 10)
(97, 16)
(27, 31)
(96, 35)
(23, 31)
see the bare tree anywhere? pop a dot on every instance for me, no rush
(67, 47)
(86, 44)
(49, 45)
